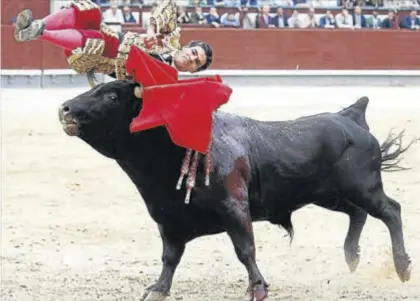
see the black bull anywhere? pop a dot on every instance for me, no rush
(262, 171)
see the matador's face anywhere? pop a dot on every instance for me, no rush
(189, 59)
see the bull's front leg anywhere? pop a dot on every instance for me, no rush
(236, 216)
(239, 228)
(173, 249)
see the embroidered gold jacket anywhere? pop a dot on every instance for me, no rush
(163, 21)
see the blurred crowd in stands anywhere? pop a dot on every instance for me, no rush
(353, 14)
(259, 3)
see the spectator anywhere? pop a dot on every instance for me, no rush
(327, 21)
(113, 14)
(250, 3)
(293, 21)
(349, 4)
(128, 15)
(359, 19)
(279, 20)
(411, 21)
(299, 2)
(217, 3)
(197, 16)
(375, 3)
(322, 3)
(374, 21)
(213, 2)
(263, 18)
(319, 3)
(390, 22)
(309, 20)
(232, 3)
(344, 19)
(101, 2)
(183, 17)
(247, 21)
(196, 3)
(284, 3)
(213, 17)
(231, 19)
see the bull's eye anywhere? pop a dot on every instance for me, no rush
(113, 98)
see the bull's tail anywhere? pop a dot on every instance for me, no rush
(391, 159)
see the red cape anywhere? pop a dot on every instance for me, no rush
(185, 107)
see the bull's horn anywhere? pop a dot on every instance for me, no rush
(138, 92)
(92, 78)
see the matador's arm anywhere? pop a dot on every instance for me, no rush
(163, 22)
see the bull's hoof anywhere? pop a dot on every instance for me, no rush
(150, 295)
(258, 293)
(403, 268)
(353, 263)
(352, 259)
(154, 296)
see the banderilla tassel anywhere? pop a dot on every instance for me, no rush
(191, 177)
(208, 164)
(184, 168)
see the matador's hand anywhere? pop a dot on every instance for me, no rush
(153, 40)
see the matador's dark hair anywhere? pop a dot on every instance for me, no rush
(207, 50)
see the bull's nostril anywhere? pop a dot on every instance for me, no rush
(64, 112)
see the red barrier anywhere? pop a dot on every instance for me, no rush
(16, 55)
(261, 49)
(10, 9)
(311, 49)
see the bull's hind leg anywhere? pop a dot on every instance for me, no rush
(357, 220)
(238, 224)
(173, 249)
(380, 206)
(361, 184)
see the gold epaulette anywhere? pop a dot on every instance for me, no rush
(173, 40)
(164, 17)
(130, 38)
(90, 58)
(170, 44)
(105, 29)
(84, 4)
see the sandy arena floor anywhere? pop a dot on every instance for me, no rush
(74, 227)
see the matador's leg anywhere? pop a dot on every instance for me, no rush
(81, 14)
(79, 30)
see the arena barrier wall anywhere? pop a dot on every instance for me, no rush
(271, 49)
(262, 56)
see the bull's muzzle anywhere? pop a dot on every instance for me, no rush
(67, 121)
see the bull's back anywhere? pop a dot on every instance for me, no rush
(293, 161)
(301, 148)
